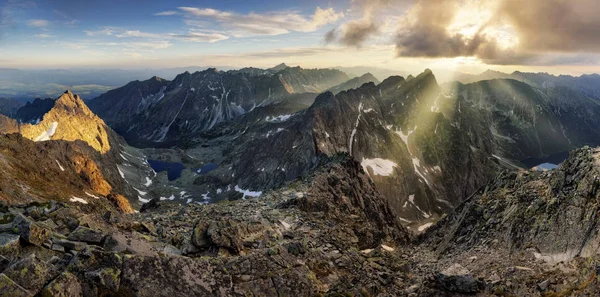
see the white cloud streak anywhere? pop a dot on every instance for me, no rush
(255, 24)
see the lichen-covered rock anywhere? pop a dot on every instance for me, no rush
(30, 273)
(65, 285)
(8, 288)
(30, 231)
(9, 244)
(108, 278)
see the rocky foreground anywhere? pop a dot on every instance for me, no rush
(331, 234)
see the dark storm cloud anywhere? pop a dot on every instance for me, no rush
(331, 36)
(356, 32)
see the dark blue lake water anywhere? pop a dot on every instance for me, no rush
(546, 163)
(208, 167)
(173, 169)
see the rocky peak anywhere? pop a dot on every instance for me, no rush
(279, 67)
(70, 119)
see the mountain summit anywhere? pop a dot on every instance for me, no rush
(69, 119)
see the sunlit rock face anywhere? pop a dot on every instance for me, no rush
(68, 119)
(161, 111)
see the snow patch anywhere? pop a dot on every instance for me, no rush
(172, 197)
(148, 182)
(278, 119)
(424, 227)
(247, 192)
(143, 200)
(60, 166)
(205, 196)
(140, 192)
(93, 196)
(360, 107)
(46, 135)
(76, 199)
(379, 166)
(121, 172)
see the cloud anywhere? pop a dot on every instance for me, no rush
(43, 35)
(357, 31)
(544, 30)
(38, 23)
(556, 25)
(502, 32)
(157, 40)
(331, 36)
(254, 24)
(166, 13)
(106, 31)
(137, 34)
(200, 37)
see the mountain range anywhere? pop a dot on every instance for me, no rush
(291, 181)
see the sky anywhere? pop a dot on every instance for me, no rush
(470, 36)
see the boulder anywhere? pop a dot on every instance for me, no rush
(86, 235)
(199, 237)
(108, 278)
(65, 285)
(9, 288)
(30, 273)
(9, 243)
(30, 231)
(458, 279)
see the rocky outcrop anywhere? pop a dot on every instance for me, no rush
(554, 212)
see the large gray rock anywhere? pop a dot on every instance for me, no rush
(85, 234)
(458, 279)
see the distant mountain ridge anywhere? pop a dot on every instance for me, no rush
(158, 110)
(588, 84)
